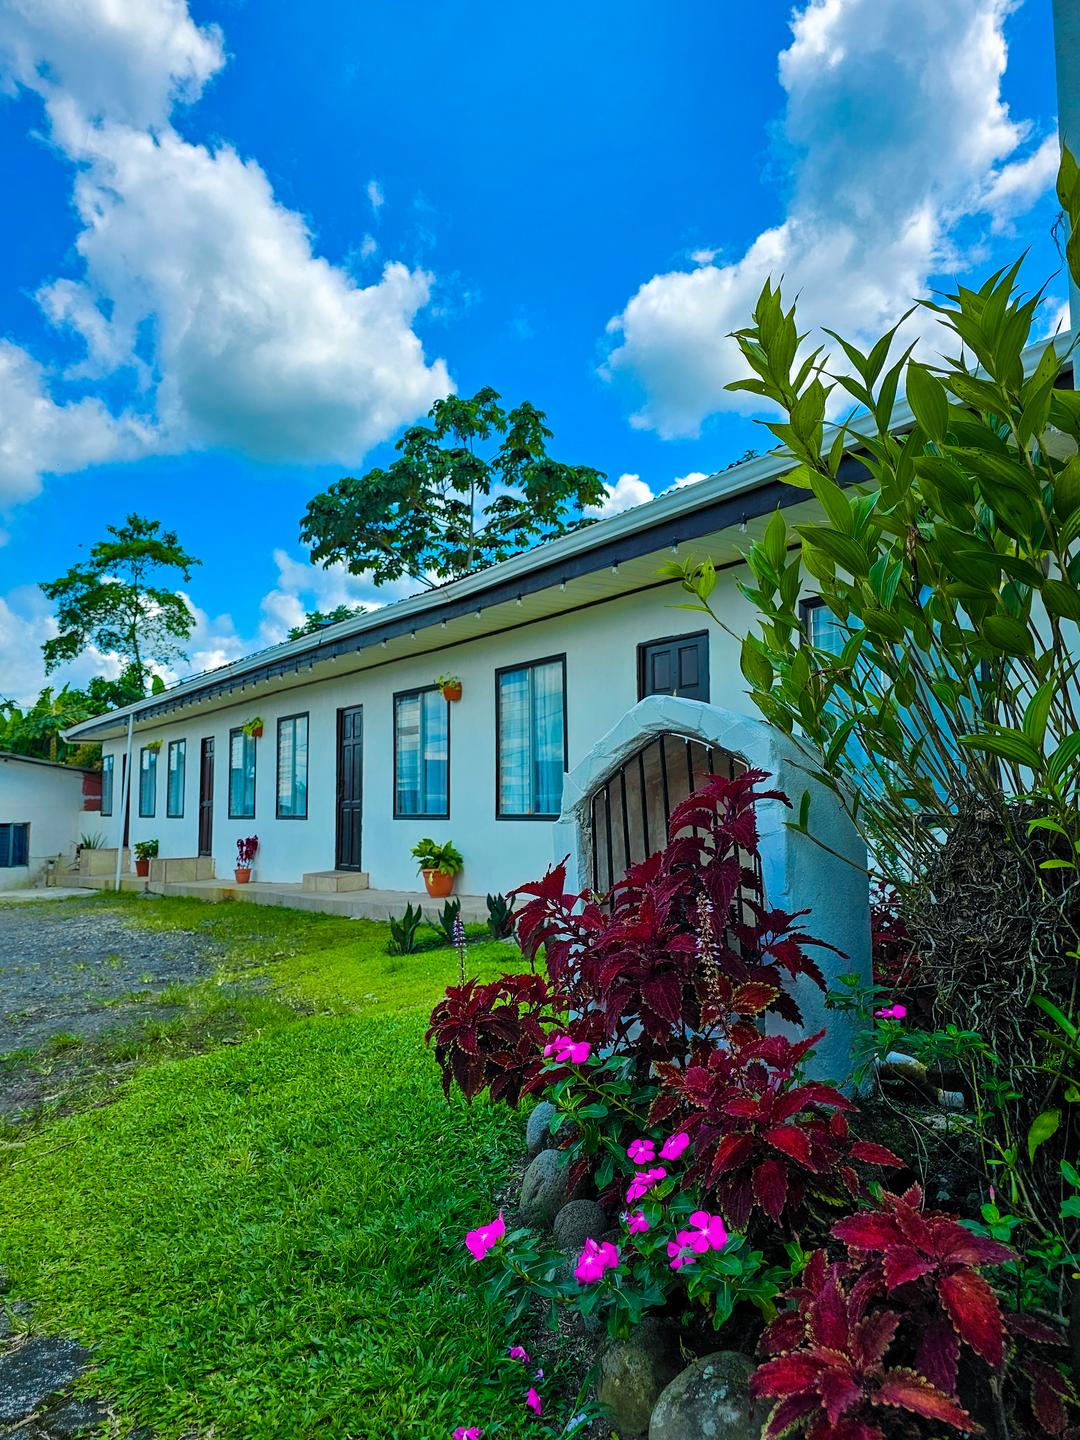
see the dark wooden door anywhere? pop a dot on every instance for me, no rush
(350, 787)
(125, 800)
(206, 796)
(678, 665)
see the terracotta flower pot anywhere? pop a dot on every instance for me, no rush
(451, 692)
(438, 884)
(142, 867)
(256, 732)
(243, 877)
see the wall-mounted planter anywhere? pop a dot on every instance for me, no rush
(451, 692)
(253, 727)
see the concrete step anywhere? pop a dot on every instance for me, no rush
(181, 867)
(335, 882)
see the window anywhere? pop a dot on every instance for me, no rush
(676, 666)
(107, 785)
(292, 761)
(14, 846)
(241, 776)
(147, 781)
(422, 754)
(530, 738)
(176, 774)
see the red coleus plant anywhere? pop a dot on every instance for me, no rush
(648, 957)
(761, 1138)
(490, 1036)
(831, 1376)
(930, 1260)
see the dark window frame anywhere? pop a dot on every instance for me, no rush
(108, 767)
(418, 814)
(9, 855)
(646, 645)
(150, 814)
(559, 659)
(236, 814)
(285, 720)
(170, 813)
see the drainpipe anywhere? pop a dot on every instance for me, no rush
(125, 801)
(1067, 62)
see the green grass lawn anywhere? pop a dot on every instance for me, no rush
(265, 1239)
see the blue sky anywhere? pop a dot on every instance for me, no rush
(247, 243)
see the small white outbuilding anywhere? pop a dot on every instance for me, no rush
(44, 810)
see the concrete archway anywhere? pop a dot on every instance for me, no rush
(825, 874)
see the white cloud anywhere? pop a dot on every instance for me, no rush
(896, 130)
(1016, 187)
(193, 272)
(368, 247)
(691, 479)
(125, 60)
(376, 198)
(39, 434)
(628, 491)
(26, 622)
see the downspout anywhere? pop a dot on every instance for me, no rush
(126, 799)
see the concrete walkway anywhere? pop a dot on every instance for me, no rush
(55, 892)
(354, 904)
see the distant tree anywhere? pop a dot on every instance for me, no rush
(444, 510)
(117, 602)
(36, 730)
(318, 619)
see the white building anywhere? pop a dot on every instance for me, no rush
(360, 756)
(44, 811)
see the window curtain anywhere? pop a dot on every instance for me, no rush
(548, 740)
(407, 780)
(107, 785)
(514, 746)
(241, 776)
(174, 805)
(292, 767)
(148, 782)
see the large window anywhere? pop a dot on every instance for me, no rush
(241, 776)
(14, 846)
(176, 774)
(292, 765)
(531, 738)
(147, 781)
(422, 754)
(107, 785)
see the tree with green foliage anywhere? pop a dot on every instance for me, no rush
(443, 509)
(320, 619)
(116, 600)
(37, 729)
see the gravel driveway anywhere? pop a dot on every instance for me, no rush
(71, 968)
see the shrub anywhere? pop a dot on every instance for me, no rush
(451, 912)
(500, 921)
(403, 930)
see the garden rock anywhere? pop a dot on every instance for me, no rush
(633, 1374)
(537, 1135)
(34, 1371)
(710, 1400)
(576, 1222)
(543, 1190)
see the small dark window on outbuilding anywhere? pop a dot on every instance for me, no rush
(677, 665)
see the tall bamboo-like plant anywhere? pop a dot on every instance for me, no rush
(952, 569)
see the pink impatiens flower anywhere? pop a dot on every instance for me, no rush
(641, 1151)
(673, 1148)
(594, 1260)
(636, 1223)
(643, 1182)
(468, 1432)
(891, 1012)
(518, 1352)
(533, 1401)
(479, 1242)
(568, 1051)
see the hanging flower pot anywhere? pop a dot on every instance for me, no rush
(450, 686)
(438, 883)
(254, 727)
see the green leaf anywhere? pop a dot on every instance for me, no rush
(775, 541)
(928, 400)
(1038, 711)
(1042, 1127)
(1006, 634)
(755, 664)
(841, 549)
(1061, 599)
(1007, 745)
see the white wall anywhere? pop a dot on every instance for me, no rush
(49, 799)
(600, 643)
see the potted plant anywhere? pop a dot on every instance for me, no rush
(145, 851)
(253, 727)
(438, 864)
(450, 685)
(154, 745)
(245, 858)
